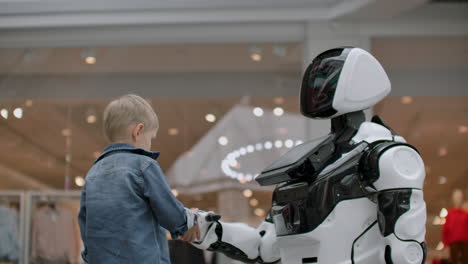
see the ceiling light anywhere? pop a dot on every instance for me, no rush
(233, 163)
(250, 149)
(289, 143)
(66, 132)
(438, 220)
(248, 177)
(253, 202)
(406, 100)
(243, 151)
(88, 56)
(268, 145)
(278, 144)
(247, 193)
(255, 53)
(91, 116)
(90, 60)
(91, 119)
(443, 151)
(175, 192)
(278, 111)
(243, 180)
(462, 129)
(443, 213)
(257, 111)
(259, 212)
(278, 100)
(440, 246)
(29, 103)
(173, 131)
(79, 181)
(4, 113)
(223, 140)
(210, 118)
(256, 57)
(442, 179)
(258, 146)
(18, 112)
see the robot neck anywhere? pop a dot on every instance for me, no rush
(345, 126)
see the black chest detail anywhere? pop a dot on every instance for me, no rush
(300, 206)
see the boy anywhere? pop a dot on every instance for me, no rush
(126, 199)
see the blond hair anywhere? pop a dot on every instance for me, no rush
(125, 111)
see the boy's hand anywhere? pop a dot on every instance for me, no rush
(191, 235)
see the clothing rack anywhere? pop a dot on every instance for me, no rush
(34, 197)
(20, 198)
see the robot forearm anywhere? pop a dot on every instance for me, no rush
(240, 241)
(402, 218)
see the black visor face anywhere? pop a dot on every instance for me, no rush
(320, 81)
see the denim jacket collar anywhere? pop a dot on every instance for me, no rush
(123, 147)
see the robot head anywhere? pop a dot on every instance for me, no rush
(340, 81)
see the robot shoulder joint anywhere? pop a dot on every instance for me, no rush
(392, 165)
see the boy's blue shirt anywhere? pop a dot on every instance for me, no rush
(124, 203)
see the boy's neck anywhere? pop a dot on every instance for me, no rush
(128, 142)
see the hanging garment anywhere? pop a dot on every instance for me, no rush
(9, 246)
(455, 234)
(456, 226)
(53, 236)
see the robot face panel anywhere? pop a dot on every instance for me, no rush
(340, 81)
(320, 82)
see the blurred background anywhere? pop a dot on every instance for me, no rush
(223, 77)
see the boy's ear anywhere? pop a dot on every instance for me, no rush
(137, 131)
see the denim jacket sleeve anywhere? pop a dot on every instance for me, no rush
(82, 223)
(170, 213)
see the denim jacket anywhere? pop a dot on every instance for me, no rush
(125, 203)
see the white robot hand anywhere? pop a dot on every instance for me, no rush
(237, 240)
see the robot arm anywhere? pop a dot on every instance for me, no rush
(237, 240)
(398, 179)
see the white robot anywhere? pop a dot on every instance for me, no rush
(352, 196)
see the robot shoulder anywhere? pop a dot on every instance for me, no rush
(393, 165)
(374, 131)
(371, 132)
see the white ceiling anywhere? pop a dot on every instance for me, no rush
(43, 14)
(106, 5)
(439, 11)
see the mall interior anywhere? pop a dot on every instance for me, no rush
(224, 78)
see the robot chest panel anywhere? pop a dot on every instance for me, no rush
(300, 207)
